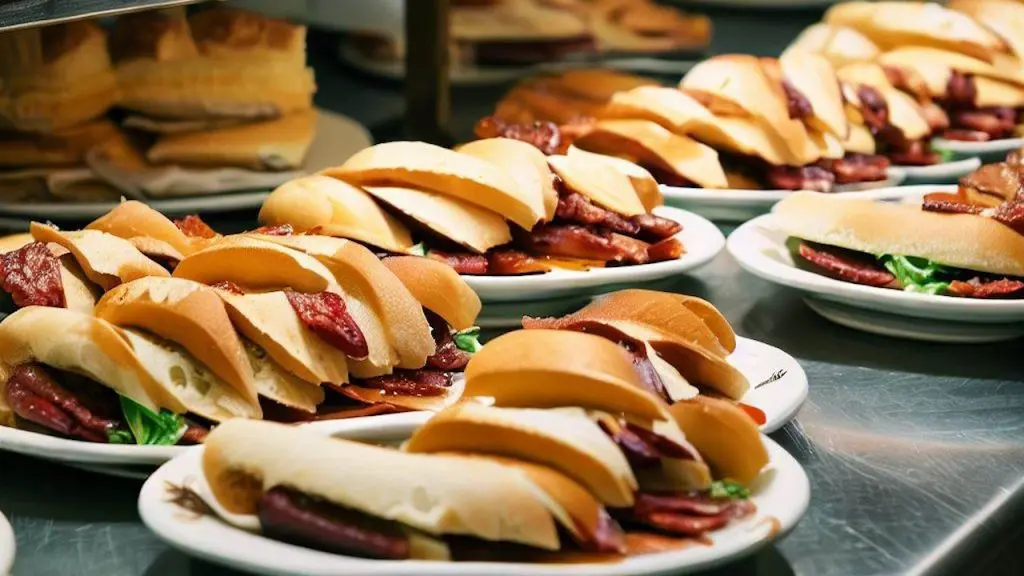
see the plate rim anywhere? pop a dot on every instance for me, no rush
(166, 522)
(967, 147)
(738, 198)
(932, 171)
(857, 295)
(8, 546)
(560, 282)
(795, 377)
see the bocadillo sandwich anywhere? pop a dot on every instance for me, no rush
(492, 207)
(901, 246)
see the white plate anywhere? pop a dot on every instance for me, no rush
(338, 137)
(778, 384)
(994, 151)
(7, 546)
(702, 240)
(760, 248)
(742, 205)
(783, 493)
(944, 173)
(474, 75)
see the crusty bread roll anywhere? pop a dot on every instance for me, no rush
(78, 342)
(439, 288)
(523, 162)
(645, 186)
(334, 208)
(814, 77)
(222, 62)
(935, 68)
(905, 114)
(645, 26)
(435, 494)
(279, 144)
(737, 85)
(269, 321)
(552, 368)
(133, 219)
(188, 314)
(65, 147)
(429, 167)
(599, 182)
(671, 108)
(1003, 17)
(860, 140)
(55, 77)
(256, 264)
(894, 24)
(79, 293)
(958, 240)
(515, 22)
(365, 278)
(724, 435)
(599, 84)
(564, 439)
(839, 45)
(463, 222)
(654, 146)
(106, 259)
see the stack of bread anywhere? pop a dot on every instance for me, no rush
(58, 85)
(962, 63)
(221, 88)
(139, 314)
(502, 32)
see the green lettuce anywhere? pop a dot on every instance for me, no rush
(917, 274)
(468, 340)
(729, 490)
(418, 249)
(152, 428)
(946, 155)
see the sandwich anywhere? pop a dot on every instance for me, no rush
(620, 464)
(81, 377)
(495, 207)
(517, 32)
(679, 344)
(839, 45)
(332, 314)
(1002, 17)
(395, 505)
(897, 123)
(646, 27)
(151, 233)
(970, 253)
(981, 99)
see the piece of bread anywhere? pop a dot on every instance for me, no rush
(365, 278)
(523, 162)
(647, 27)
(465, 223)
(552, 368)
(435, 494)
(958, 240)
(726, 437)
(839, 45)
(564, 439)
(439, 288)
(904, 113)
(517, 21)
(106, 259)
(1003, 17)
(334, 208)
(255, 264)
(894, 24)
(65, 147)
(654, 146)
(189, 314)
(279, 144)
(78, 342)
(15, 242)
(599, 182)
(220, 63)
(429, 167)
(935, 68)
(133, 219)
(55, 77)
(645, 186)
(814, 77)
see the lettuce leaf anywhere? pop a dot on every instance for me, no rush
(151, 428)
(729, 490)
(418, 250)
(120, 436)
(946, 155)
(468, 340)
(917, 274)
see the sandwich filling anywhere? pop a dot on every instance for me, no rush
(30, 276)
(968, 121)
(890, 140)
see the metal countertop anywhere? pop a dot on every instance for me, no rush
(915, 451)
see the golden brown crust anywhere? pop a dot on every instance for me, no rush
(255, 264)
(106, 259)
(523, 162)
(132, 219)
(439, 288)
(958, 240)
(724, 436)
(221, 30)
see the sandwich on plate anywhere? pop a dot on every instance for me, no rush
(963, 250)
(493, 207)
(582, 464)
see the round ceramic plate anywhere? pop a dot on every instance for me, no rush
(778, 385)
(7, 546)
(338, 137)
(994, 151)
(701, 239)
(781, 494)
(760, 248)
(944, 173)
(742, 205)
(475, 75)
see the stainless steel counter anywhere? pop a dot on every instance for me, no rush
(915, 451)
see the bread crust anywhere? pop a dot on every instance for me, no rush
(439, 288)
(599, 182)
(958, 240)
(106, 259)
(132, 219)
(256, 264)
(523, 162)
